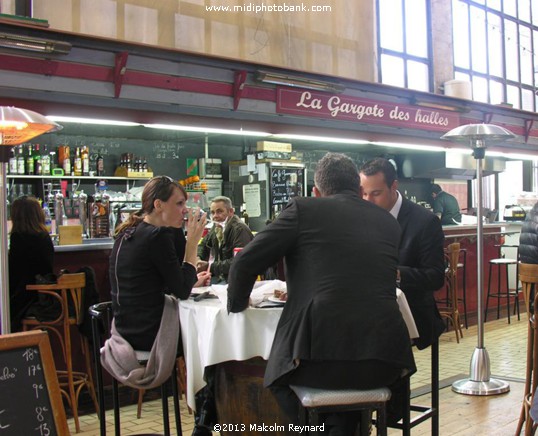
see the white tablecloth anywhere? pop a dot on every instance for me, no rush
(211, 335)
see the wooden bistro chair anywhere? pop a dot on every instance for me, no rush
(528, 275)
(449, 308)
(68, 291)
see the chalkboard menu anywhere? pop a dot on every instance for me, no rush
(30, 399)
(286, 183)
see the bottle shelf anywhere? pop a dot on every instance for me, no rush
(23, 176)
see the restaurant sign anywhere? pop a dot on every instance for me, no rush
(361, 110)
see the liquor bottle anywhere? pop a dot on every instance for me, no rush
(144, 165)
(21, 162)
(85, 161)
(78, 163)
(66, 161)
(38, 169)
(53, 160)
(13, 162)
(45, 161)
(29, 161)
(100, 165)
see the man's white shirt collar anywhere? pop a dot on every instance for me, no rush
(396, 208)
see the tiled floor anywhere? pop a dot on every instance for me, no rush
(460, 415)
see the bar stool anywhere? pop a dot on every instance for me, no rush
(68, 291)
(315, 401)
(449, 310)
(463, 298)
(423, 412)
(500, 263)
(101, 315)
(528, 275)
(181, 381)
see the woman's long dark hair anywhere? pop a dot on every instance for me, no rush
(158, 188)
(27, 216)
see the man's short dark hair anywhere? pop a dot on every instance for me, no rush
(380, 165)
(335, 173)
(436, 188)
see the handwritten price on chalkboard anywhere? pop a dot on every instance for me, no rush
(30, 354)
(2, 426)
(37, 389)
(33, 369)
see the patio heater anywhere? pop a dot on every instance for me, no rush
(16, 127)
(479, 381)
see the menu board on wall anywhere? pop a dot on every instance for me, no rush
(286, 183)
(27, 372)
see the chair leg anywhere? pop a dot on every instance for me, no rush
(464, 288)
(175, 395)
(406, 420)
(364, 425)
(116, 402)
(507, 295)
(141, 393)
(166, 416)
(381, 420)
(487, 297)
(435, 387)
(498, 291)
(90, 383)
(99, 375)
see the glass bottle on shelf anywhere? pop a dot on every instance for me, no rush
(144, 165)
(38, 168)
(78, 162)
(13, 162)
(45, 161)
(66, 163)
(29, 161)
(100, 165)
(85, 155)
(21, 162)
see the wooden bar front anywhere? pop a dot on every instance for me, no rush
(241, 400)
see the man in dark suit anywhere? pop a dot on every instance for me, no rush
(341, 326)
(421, 264)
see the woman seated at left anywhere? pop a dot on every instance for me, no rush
(31, 252)
(151, 258)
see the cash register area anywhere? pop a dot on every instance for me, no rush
(459, 414)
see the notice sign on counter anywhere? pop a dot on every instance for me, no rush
(30, 403)
(251, 197)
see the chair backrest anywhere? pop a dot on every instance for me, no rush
(452, 256)
(101, 315)
(71, 287)
(74, 285)
(528, 276)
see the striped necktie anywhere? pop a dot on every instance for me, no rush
(219, 233)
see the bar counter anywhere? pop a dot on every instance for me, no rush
(494, 235)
